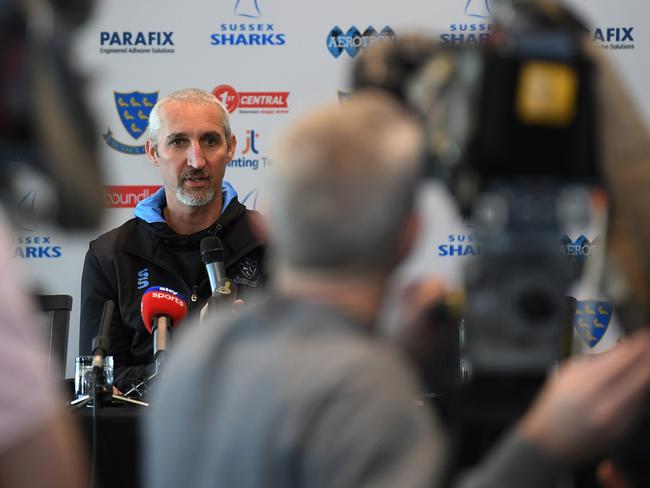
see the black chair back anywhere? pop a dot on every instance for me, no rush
(56, 310)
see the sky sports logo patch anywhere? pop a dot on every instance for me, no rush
(257, 102)
(117, 196)
(136, 42)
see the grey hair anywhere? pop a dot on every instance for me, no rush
(342, 186)
(188, 95)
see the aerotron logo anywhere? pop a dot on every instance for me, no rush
(474, 28)
(133, 109)
(579, 249)
(354, 41)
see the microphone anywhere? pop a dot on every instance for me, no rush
(101, 343)
(161, 309)
(213, 254)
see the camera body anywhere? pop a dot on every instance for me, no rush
(511, 128)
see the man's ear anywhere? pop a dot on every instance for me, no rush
(233, 146)
(152, 153)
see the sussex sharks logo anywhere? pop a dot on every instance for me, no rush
(591, 320)
(133, 109)
(248, 8)
(481, 9)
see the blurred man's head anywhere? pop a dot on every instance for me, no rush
(342, 190)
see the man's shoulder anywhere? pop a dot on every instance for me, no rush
(243, 233)
(113, 239)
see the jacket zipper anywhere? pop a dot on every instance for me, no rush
(194, 297)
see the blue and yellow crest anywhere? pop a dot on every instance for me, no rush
(134, 108)
(591, 320)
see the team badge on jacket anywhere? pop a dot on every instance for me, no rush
(247, 273)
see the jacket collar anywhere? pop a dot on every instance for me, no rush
(151, 241)
(150, 209)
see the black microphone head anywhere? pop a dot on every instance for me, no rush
(212, 250)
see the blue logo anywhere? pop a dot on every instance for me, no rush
(248, 8)
(133, 109)
(248, 34)
(143, 278)
(478, 8)
(591, 320)
(477, 31)
(353, 41)
(250, 157)
(614, 37)
(27, 215)
(36, 247)
(125, 42)
(31, 245)
(251, 136)
(459, 245)
(579, 249)
(250, 199)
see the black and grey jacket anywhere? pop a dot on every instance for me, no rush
(121, 264)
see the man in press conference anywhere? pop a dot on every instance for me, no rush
(191, 142)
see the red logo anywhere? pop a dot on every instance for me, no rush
(127, 196)
(252, 102)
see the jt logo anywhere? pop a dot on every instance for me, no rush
(248, 8)
(478, 8)
(250, 142)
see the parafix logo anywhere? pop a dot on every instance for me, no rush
(257, 102)
(127, 196)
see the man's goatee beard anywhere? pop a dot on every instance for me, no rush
(194, 198)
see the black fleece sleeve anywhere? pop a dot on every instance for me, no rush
(98, 284)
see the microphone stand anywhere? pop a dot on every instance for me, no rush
(162, 329)
(101, 394)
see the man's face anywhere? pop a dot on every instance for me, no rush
(192, 152)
